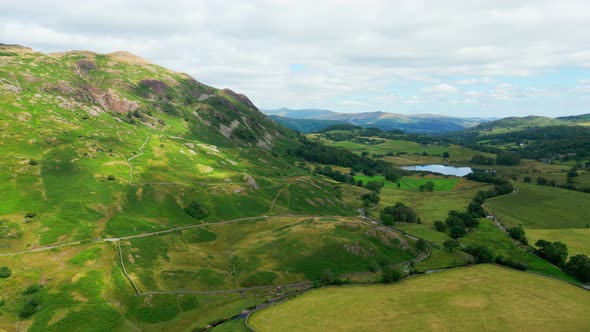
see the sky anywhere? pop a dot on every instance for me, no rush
(460, 58)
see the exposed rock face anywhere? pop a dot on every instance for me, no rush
(241, 98)
(110, 101)
(251, 182)
(84, 66)
(157, 87)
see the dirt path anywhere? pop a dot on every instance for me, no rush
(41, 249)
(135, 156)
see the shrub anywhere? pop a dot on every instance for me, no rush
(30, 215)
(451, 245)
(482, 253)
(195, 210)
(111, 177)
(5, 272)
(518, 234)
(391, 273)
(327, 277)
(29, 308)
(32, 289)
(522, 266)
(440, 226)
(33, 162)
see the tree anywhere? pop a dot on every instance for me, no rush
(517, 233)
(327, 277)
(446, 155)
(451, 245)
(195, 210)
(527, 179)
(421, 245)
(370, 199)
(5, 272)
(482, 253)
(391, 273)
(542, 181)
(440, 226)
(579, 267)
(507, 158)
(400, 213)
(428, 186)
(457, 231)
(374, 185)
(553, 252)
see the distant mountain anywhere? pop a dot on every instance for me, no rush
(531, 121)
(421, 123)
(298, 114)
(305, 125)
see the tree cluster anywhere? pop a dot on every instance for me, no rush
(399, 213)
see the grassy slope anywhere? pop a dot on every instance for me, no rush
(482, 297)
(271, 251)
(536, 206)
(76, 128)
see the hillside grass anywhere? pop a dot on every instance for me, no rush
(501, 244)
(483, 297)
(273, 251)
(536, 206)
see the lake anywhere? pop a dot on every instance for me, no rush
(443, 169)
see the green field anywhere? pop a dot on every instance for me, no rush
(273, 251)
(501, 244)
(430, 206)
(535, 206)
(413, 182)
(477, 298)
(576, 239)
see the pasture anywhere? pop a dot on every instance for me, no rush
(535, 206)
(482, 297)
(576, 239)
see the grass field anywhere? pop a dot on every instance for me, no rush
(274, 251)
(413, 182)
(576, 239)
(500, 244)
(430, 206)
(478, 298)
(536, 206)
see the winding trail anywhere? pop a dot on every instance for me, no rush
(40, 249)
(135, 156)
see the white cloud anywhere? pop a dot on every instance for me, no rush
(349, 49)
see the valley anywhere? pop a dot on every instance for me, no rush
(135, 198)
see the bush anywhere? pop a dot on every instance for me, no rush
(195, 210)
(522, 266)
(327, 277)
(32, 289)
(5, 272)
(482, 253)
(440, 226)
(391, 273)
(111, 177)
(30, 215)
(451, 245)
(518, 234)
(33, 162)
(29, 308)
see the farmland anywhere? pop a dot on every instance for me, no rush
(445, 300)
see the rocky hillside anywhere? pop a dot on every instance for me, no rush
(95, 145)
(131, 90)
